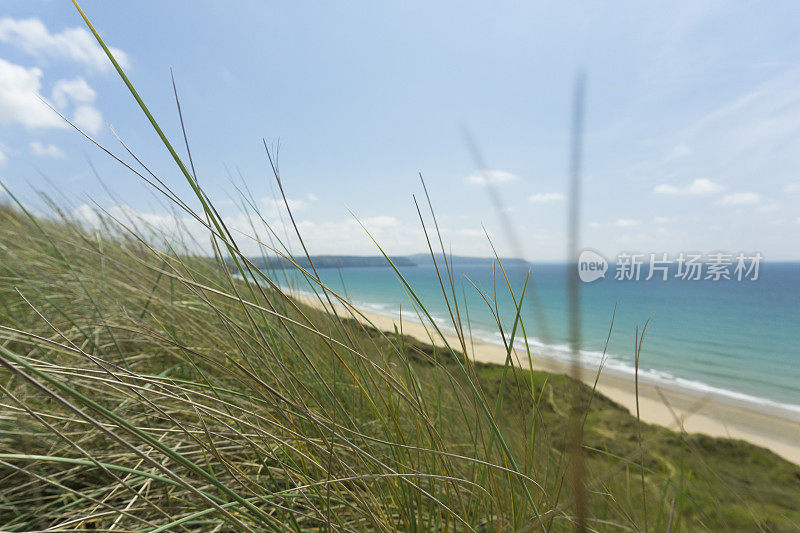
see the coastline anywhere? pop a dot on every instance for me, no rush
(708, 413)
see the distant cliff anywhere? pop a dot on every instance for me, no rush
(462, 260)
(351, 261)
(332, 261)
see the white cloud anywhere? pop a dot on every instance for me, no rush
(88, 118)
(768, 208)
(3, 161)
(546, 197)
(273, 206)
(18, 98)
(626, 222)
(75, 90)
(156, 227)
(663, 220)
(792, 188)
(477, 233)
(337, 236)
(740, 198)
(85, 214)
(20, 103)
(680, 150)
(594, 224)
(50, 150)
(380, 222)
(74, 44)
(80, 94)
(697, 187)
(331, 236)
(486, 177)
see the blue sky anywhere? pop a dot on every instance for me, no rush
(692, 116)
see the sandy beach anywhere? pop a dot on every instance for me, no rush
(695, 413)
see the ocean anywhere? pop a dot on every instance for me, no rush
(737, 340)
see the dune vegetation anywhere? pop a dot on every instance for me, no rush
(146, 387)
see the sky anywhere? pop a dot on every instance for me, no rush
(691, 141)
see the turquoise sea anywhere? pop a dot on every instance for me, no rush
(738, 340)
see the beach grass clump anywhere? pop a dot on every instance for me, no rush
(147, 389)
(145, 386)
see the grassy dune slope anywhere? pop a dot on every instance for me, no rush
(150, 390)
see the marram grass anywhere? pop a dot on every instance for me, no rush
(141, 391)
(144, 388)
